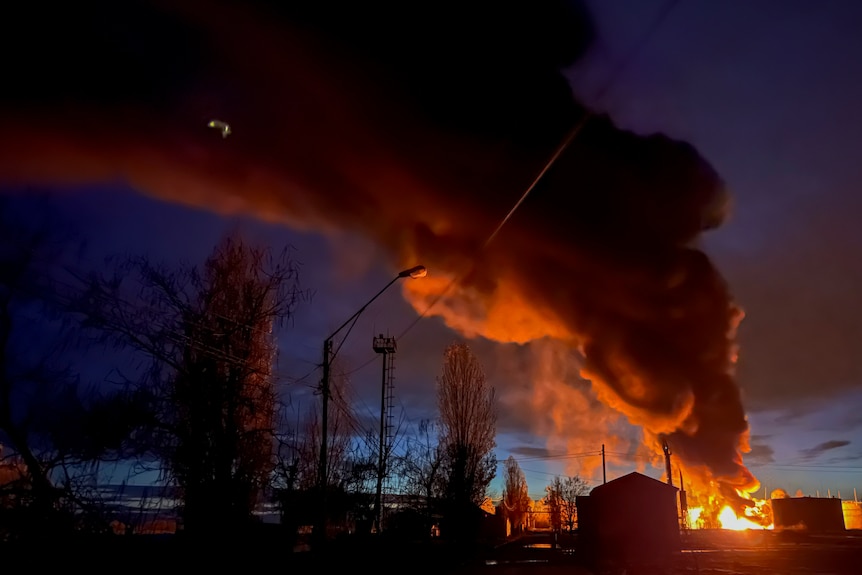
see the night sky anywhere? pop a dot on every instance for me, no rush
(374, 140)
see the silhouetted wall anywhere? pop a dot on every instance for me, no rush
(632, 519)
(813, 514)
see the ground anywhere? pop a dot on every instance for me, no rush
(538, 553)
(704, 553)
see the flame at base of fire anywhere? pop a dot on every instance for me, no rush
(724, 502)
(757, 516)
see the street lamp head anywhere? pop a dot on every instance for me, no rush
(414, 272)
(328, 356)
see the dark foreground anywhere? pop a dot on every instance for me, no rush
(704, 553)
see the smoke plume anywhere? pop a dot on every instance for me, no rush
(419, 128)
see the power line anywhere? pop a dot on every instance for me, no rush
(631, 456)
(779, 466)
(174, 332)
(557, 457)
(818, 468)
(125, 314)
(570, 136)
(550, 474)
(573, 132)
(567, 140)
(173, 329)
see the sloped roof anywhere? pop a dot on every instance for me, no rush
(632, 481)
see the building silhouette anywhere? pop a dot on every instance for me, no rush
(630, 520)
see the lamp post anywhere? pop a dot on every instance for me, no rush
(414, 272)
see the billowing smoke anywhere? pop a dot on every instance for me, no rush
(552, 401)
(419, 127)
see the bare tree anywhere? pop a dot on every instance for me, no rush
(420, 467)
(468, 417)
(209, 387)
(52, 431)
(553, 501)
(349, 467)
(561, 500)
(25, 282)
(516, 498)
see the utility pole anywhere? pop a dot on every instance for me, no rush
(667, 463)
(319, 532)
(604, 471)
(328, 356)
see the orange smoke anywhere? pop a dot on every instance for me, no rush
(561, 407)
(422, 148)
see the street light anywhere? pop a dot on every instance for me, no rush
(414, 273)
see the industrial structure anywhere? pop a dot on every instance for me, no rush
(386, 347)
(682, 509)
(811, 514)
(629, 520)
(852, 514)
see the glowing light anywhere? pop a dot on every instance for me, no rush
(729, 520)
(694, 516)
(714, 511)
(415, 272)
(224, 127)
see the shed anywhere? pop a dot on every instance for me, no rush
(632, 519)
(812, 514)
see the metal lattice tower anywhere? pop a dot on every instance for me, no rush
(390, 400)
(387, 347)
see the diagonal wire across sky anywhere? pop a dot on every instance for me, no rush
(570, 136)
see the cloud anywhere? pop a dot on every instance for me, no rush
(792, 414)
(760, 454)
(821, 448)
(531, 452)
(844, 458)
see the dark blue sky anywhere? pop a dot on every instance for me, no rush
(766, 92)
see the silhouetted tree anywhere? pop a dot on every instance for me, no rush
(420, 468)
(553, 501)
(561, 500)
(516, 498)
(468, 417)
(209, 389)
(26, 261)
(52, 435)
(295, 477)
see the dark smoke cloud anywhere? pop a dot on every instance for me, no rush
(761, 453)
(419, 128)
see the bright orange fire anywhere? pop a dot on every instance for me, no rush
(757, 515)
